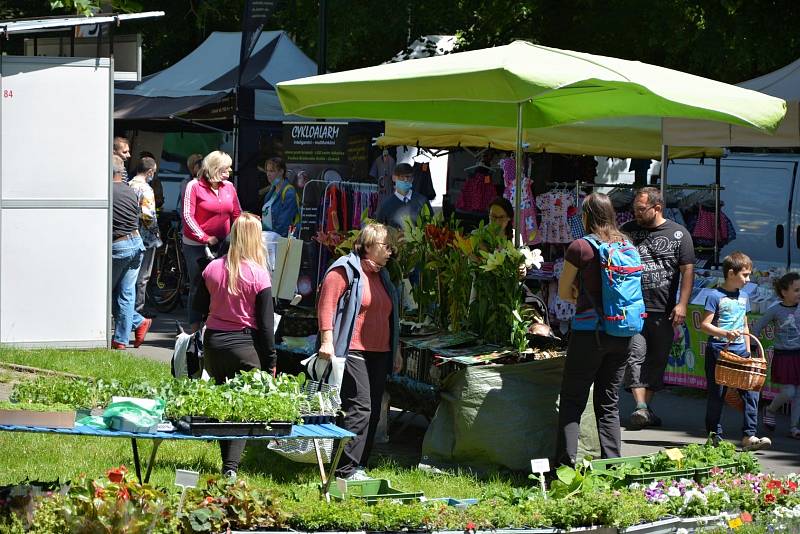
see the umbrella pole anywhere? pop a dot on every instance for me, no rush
(664, 165)
(518, 180)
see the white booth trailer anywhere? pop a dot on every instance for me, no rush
(55, 201)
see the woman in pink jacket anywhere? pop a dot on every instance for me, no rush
(210, 205)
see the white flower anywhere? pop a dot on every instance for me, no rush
(533, 258)
(692, 494)
(673, 492)
(682, 531)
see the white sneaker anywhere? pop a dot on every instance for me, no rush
(357, 475)
(753, 443)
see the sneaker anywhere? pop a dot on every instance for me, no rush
(140, 332)
(753, 443)
(357, 475)
(229, 475)
(654, 419)
(768, 418)
(794, 432)
(118, 346)
(640, 418)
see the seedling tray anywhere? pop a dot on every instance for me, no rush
(318, 419)
(203, 426)
(373, 490)
(641, 477)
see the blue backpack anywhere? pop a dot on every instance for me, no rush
(622, 312)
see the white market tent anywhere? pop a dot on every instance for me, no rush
(783, 83)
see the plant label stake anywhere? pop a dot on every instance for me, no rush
(185, 479)
(541, 466)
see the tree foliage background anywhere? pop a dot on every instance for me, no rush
(728, 40)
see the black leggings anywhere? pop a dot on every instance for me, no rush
(224, 355)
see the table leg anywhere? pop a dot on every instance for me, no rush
(334, 463)
(156, 443)
(136, 462)
(319, 461)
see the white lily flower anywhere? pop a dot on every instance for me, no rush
(533, 258)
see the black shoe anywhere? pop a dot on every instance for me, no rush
(654, 419)
(640, 419)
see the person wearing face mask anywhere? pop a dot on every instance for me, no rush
(358, 318)
(404, 203)
(281, 210)
(148, 225)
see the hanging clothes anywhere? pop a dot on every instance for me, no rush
(528, 215)
(422, 181)
(554, 206)
(477, 193)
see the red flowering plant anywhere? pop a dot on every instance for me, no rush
(330, 239)
(116, 504)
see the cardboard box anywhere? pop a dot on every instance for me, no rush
(42, 419)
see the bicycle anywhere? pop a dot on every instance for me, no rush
(169, 281)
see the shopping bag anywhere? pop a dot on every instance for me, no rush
(131, 414)
(187, 357)
(325, 376)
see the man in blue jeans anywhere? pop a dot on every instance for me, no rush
(127, 251)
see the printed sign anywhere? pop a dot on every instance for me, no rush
(315, 142)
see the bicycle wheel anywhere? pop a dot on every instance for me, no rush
(163, 290)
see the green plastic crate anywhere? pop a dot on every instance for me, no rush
(373, 490)
(644, 477)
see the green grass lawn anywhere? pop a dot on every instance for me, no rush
(51, 456)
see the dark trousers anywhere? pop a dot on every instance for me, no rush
(716, 398)
(363, 383)
(224, 355)
(589, 363)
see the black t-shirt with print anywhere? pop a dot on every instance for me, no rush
(663, 250)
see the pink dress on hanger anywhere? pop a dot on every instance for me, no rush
(530, 228)
(554, 206)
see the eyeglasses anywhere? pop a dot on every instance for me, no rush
(642, 209)
(386, 246)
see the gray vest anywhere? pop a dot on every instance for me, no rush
(350, 303)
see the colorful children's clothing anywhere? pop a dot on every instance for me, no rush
(530, 227)
(554, 206)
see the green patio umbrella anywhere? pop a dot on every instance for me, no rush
(627, 137)
(522, 85)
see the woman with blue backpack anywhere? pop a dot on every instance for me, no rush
(602, 276)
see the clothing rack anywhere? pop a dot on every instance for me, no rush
(716, 188)
(361, 187)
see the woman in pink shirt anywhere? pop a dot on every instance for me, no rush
(210, 205)
(359, 321)
(237, 298)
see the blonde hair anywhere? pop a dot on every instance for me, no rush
(246, 245)
(370, 235)
(214, 164)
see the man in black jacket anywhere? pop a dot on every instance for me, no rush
(404, 203)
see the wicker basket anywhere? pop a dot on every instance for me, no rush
(737, 372)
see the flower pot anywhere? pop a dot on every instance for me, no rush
(691, 523)
(662, 526)
(594, 530)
